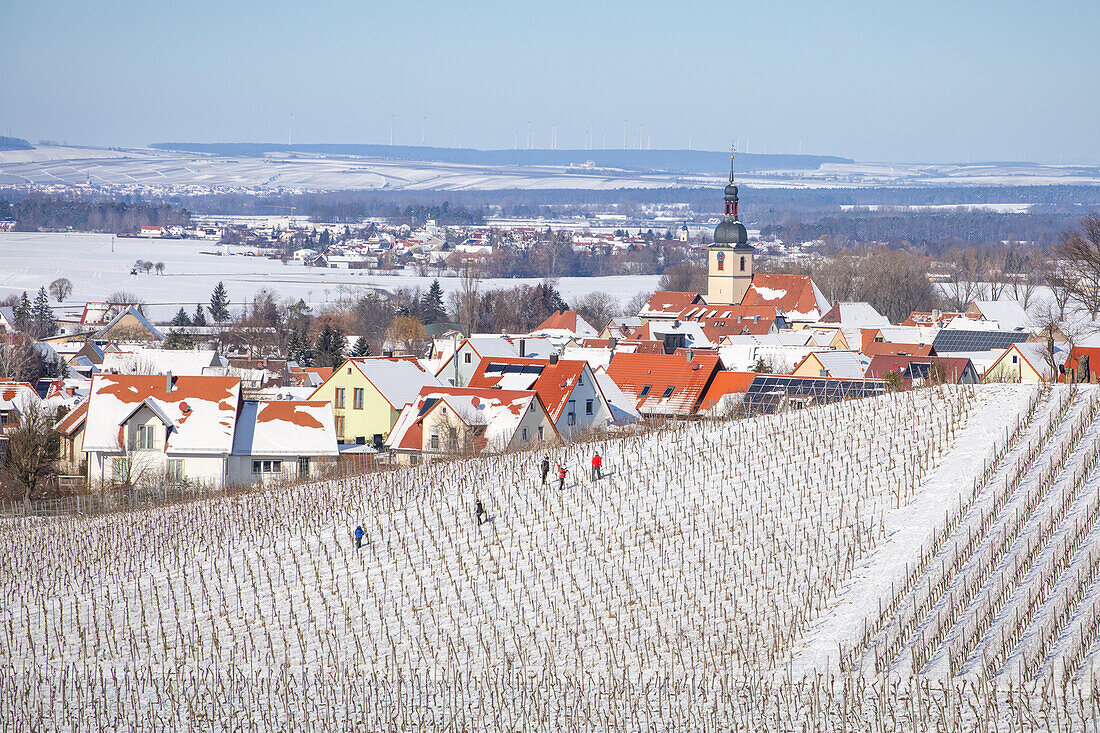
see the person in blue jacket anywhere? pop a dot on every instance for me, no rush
(359, 536)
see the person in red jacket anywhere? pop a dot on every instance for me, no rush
(597, 464)
(561, 477)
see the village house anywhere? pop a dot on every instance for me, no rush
(367, 395)
(70, 429)
(459, 364)
(1028, 362)
(282, 440)
(565, 324)
(663, 385)
(568, 389)
(916, 371)
(452, 421)
(836, 364)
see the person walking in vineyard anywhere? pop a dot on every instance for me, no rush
(597, 465)
(545, 466)
(479, 513)
(359, 536)
(561, 477)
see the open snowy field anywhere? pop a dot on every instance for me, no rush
(696, 586)
(135, 168)
(99, 265)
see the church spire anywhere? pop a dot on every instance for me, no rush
(731, 231)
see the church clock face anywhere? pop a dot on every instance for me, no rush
(721, 260)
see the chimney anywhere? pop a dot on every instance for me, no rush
(522, 348)
(387, 353)
(553, 358)
(936, 314)
(168, 382)
(612, 343)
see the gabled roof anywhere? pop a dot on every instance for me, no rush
(954, 368)
(74, 420)
(203, 410)
(181, 362)
(497, 411)
(725, 383)
(688, 380)
(795, 296)
(623, 406)
(554, 383)
(397, 378)
(956, 339)
(566, 322)
(1008, 314)
(285, 428)
(132, 311)
(839, 364)
(668, 304)
(1035, 353)
(14, 395)
(854, 314)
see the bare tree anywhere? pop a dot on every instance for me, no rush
(61, 288)
(964, 277)
(160, 268)
(33, 449)
(634, 306)
(1080, 249)
(597, 308)
(18, 358)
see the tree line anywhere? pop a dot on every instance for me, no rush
(46, 212)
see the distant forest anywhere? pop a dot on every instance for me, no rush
(45, 213)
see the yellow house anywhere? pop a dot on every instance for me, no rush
(1026, 362)
(368, 394)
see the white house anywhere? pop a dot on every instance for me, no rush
(282, 439)
(143, 428)
(458, 367)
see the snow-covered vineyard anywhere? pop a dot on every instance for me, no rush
(787, 572)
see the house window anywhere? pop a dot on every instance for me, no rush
(588, 407)
(434, 441)
(1013, 358)
(175, 470)
(267, 466)
(742, 264)
(645, 390)
(145, 437)
(349, 370)
(668, 391)
(120, 470)
(467, 357)
(525, 435)
(339, 405)
(357, 398)
(540, 432)
(571, 418)
(339, 426)
(303, 468)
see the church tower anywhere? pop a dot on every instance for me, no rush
(729, 259)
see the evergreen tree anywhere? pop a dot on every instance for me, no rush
(177, 339)
(299, 350)
(181, 319)
(21, 312)
(331, 344)
(361, 348)
(199, 319)
(42, 320)
(431, 307)
(219, 303)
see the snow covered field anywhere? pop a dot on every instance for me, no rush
(135, 168)
(692, 587)
(98, 266)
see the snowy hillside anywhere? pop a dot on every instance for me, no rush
(716, 564)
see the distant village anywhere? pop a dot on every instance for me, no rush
(131, 402)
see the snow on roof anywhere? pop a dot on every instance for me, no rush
(691, 330)
(566, 323)
(285, 428)
(74, 419)
(397, 378)
(1037, 356)
(201, 410)
(132, 311)
(795, 296)
(854, 314)
(16, 395)
(623, 406)
(675, 385)
(554, 383)
(498, 411)
(842, 364)
(141, 360)
(668, 304)
(1008, 314)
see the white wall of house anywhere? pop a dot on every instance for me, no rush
(585, 396)
(153, 466)
(527, 434)
(273, 469)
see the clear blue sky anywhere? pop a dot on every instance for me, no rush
(912, 81)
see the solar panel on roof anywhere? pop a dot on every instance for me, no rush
(952, 340)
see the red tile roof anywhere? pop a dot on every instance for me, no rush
(74, 419)
(565, 321)
(888, 348)
(725, 383)
(689, 380)
(669, 303)
(553, 384)
(791, 295)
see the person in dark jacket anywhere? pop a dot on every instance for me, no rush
(479, 512)
(545, 465)
(561, 477)
(359, 536)
(597, 464)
